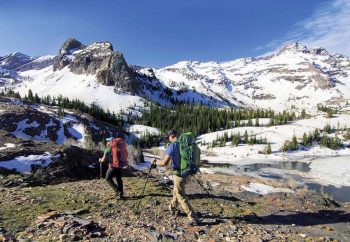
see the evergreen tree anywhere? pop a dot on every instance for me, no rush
(268, 150)
(327, 129)
(60, 112)
(310, 138)
(305, 139)
(250, 122)
(316, 135)
(294, 143)
(329, 113)
(347, 135)
(225, 137)
(246, 137)
(36, 98)
(30, 95)
(286, 146)
(324, 141)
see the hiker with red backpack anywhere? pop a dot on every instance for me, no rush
(184, 154)
(116, 155)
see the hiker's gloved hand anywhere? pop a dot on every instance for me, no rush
(154, 164)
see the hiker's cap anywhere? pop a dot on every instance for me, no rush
(171, 132)
(109, 139)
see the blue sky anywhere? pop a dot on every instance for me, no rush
(159, 32)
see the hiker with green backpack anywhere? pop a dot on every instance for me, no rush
(184, 153)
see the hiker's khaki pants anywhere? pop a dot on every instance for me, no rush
(179, 196)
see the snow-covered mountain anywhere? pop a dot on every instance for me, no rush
(293, 78)
(13, 64)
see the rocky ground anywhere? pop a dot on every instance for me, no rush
(88, 210)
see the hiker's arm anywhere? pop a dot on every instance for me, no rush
(103, 159)
(105, 153)
(163, 162)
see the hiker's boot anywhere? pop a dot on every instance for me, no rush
(116, 193)
(174, 212)
(121, 196)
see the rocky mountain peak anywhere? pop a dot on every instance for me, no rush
(98, 59)
(70, 45)
(293, 48)
(103, 45)
(319, 51)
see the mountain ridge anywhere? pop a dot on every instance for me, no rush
(303, 77)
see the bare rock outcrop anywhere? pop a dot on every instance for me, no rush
(98, 59)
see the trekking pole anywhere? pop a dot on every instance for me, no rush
(101, 168)
(211, 195)
(144, 188)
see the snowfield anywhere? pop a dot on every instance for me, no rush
(331, 170)
(276, 135)
(24, 163)
(302, 77)
(327, 166)
(83, 87)
(142, 130)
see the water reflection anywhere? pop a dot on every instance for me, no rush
(341, 194)
(288, 165)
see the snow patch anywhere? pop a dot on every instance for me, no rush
(61, 136)
(7, 145)
(24, 163)
(21, 126)
(78, 132)
(92, 125)
(206, 170)
(263, 189)
(68, 118)
(142, 130)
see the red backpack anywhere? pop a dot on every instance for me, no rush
(119, 153)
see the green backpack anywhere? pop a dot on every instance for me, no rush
(190, 155)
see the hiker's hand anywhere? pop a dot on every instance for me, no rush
(100, 160)
(154, 164)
